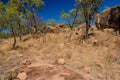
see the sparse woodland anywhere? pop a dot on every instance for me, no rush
(19, 17)
(84, 46)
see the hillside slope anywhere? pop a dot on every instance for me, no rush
(97, 58)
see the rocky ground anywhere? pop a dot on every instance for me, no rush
(97, 58)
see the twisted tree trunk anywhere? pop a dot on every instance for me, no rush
(14, 36)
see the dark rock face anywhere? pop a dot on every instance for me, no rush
(61, 25)
(109, 18)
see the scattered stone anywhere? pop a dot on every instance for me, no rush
(22, 76)
(95, 42)
(61, 61)
(87, 69)
(66, 74)
(80, 65)
(20, 55)
(112, 56)
(113, 40)
(26, 62)
(99, 64)
(101, 76)
(25, 69)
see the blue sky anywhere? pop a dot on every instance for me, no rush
(109, 3)
(52, 8)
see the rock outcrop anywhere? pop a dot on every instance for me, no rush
(109, 18)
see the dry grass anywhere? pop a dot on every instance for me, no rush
(100, 47)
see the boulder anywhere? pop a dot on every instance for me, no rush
(26, 62)
(99, 64)
(61, 25)
(22, 76)
(100, 76)
(109, 18)
(61, 61)
(87, 69)
(50, 29)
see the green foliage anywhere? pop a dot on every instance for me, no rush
(106, 7)
(28, 14)
(1, 7)
(71, 19)
(4, 35)
(89, 9)
(34, 4)
(11, 14)
(14, 15)
(1, 14)
(32, 7)
(79, 19)
(40, 24)
(70, 16)
(51, 22)
(66, 25)
(65, 16)
(72, 11)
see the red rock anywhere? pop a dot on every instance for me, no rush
(99, 64)
(27, 70)
(26, 62)
(61, 61)
(87, 69)
(112, 56)
(24, 69)
(22, 76)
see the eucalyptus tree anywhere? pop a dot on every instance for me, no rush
(32, 7)
(1, 16)
(10, 8)
(71, 19)
(21, 10)
(89, 9)
(27, 8)
(11, 15)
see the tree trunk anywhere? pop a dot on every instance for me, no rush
(119, 30)
(71, 26)
(13, 32)
(70, 35)
(87, 29)
(44, 37)
(20, 33)
(34, 22)
(87, 20)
